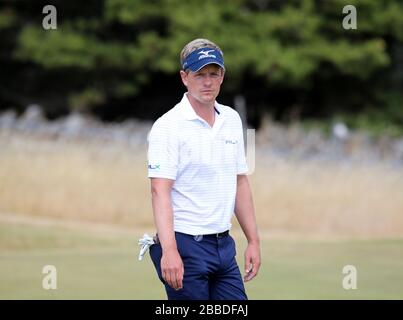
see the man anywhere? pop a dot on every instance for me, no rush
(197, 166)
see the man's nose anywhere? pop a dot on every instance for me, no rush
(208, 80)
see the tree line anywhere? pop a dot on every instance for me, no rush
(290, 59)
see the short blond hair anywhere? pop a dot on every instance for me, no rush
(197, 44)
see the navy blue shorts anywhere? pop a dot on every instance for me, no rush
(211, 271)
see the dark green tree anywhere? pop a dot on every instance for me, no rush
(290, 58)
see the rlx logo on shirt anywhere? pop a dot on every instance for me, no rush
(154, 166)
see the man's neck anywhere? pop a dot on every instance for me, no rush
(203, 110)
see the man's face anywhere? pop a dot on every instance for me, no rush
(204, 85)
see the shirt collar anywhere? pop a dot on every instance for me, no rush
(188, 111)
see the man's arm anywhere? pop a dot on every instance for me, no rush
(171, 263)
(245, 214)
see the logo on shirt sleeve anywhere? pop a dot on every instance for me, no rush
(154, 167)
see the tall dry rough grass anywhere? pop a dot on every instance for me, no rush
(329, 199)
(74, 181)
(91, 182)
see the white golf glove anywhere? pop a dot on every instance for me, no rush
(146, 242)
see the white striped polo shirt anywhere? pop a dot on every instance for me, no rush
(204, 161)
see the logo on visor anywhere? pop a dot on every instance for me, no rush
(205, 54)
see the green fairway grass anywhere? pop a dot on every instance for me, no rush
(97, 265)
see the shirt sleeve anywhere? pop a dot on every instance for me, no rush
(242, 167)
(163, 153)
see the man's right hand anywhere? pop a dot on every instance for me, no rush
(172, 269)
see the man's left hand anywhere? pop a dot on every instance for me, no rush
(252, 261)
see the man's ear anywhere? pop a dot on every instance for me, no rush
(184, 77)
(222, 76)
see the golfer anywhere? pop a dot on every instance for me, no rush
(197, 166)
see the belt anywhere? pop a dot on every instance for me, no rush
(217, 235)
(200, 237)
